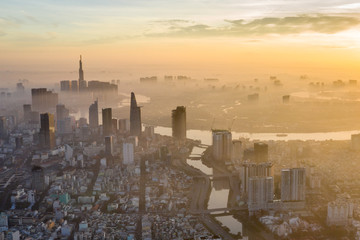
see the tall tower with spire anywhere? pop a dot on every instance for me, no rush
(82, 82)
(81, 72)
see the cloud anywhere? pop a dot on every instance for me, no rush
(263, 26)
(10, 22)
(106, 40)
(172, 21)
(349, 6)
(32, 19)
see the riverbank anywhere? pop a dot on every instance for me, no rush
(206, 136)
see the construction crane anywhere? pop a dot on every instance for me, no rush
(232, 123)
(212, 124)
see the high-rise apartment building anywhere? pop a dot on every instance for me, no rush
(293, 183)
(340, 212)
(250, 170)
(222, 143)
(261, 192)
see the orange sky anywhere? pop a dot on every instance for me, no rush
(286, 36)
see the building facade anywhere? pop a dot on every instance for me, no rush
(47, 131)
(251, 170)
(178, 117)
(222, 143)
(261, 193)
(261, 152)
(94, 115)
(293, 184)
(135, 117)
(128, 153)
(107, 121)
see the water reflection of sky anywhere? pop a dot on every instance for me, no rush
(197, 151)
(206, 136)
(198, 164)
(218, 198)
(234, 226)
(327, 95)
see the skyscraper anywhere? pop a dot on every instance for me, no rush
(109, 145)
(81, 72)
(293, 184)
(61, 111)
(27, 111)
(74, 86)
(43, 99)
(114, 122)
(3, 127)
(94, 115)
(222, 143)
(38, 178)
(135, 117)
(124, 125)
(179, 123)
(128, 153)
(65, 85)
(149, 131)
(82, 82)
(107, 121)
(61, 114)
(34, 117)
(47, 131)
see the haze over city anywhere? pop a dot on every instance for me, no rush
(203, 119)
(228, 38)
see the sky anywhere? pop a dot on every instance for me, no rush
(169, 35)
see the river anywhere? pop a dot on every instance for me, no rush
(219, 194)
(206, 136)
(220, 189)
